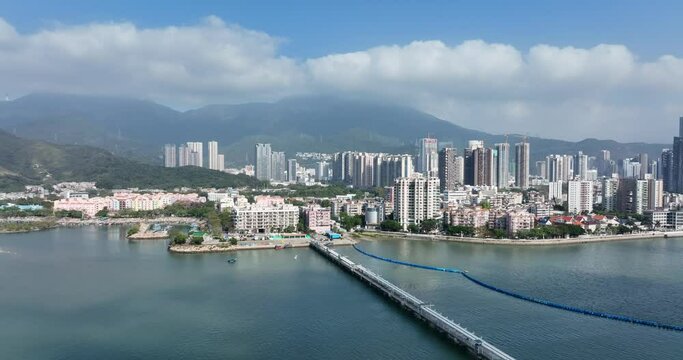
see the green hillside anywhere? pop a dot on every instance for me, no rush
(24, 162)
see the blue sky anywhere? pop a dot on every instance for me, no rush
(570, 69)
(315, 28)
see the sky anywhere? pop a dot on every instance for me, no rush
(560, 69)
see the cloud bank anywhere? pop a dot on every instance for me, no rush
(561, 92)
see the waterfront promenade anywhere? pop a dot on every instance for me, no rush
(584, 239)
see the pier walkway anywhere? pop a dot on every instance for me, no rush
(458, 334)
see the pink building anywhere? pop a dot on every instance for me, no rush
(318, 218)
(267, 200)
(124, 200)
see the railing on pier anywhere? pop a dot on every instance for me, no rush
(422, 310)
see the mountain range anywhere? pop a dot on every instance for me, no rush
(33, 162)
(138, 129)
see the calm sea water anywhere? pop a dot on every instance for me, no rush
(89, 293)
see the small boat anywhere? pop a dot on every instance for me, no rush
(288, 245)
(232, 260)
(279, 247)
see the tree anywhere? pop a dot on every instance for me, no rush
(102, 213)
(429, 226)
(460, 230)
(325, 203)
(498, 233)
(349, 222)
(413, 228)
(233, 241)
(485, 205)
(390, 225)
(179, 238)
(289, 229)
(226, 221)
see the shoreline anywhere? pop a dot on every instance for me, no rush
(218, 248)
(377, 235)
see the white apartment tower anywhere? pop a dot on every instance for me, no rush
(427, 158)
(416, 199)
(170, 155)
(580, 196)
(213, 154)
(196, 153)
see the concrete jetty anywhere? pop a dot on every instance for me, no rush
(458, 334)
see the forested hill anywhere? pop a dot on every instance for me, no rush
(25, 162)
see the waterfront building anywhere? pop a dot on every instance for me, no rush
(262, 168)
(318, 218)
(427, 158)
(265, 216)
(123, 200)
(469, 170)
(517, 220)
(416, 198)
(522, 164)
(170, 156)
(580, 196)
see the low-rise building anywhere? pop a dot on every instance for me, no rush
(318, 218)
(257, 218)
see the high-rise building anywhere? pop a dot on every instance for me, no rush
(522, 163)
(666, 170)
(170, 155)
(541, 169)
(560, 167)
(196, 149)
(644, 165)
(502, 165)
(363, 170)
(447, 169)
(322, 170)
(580, 196)
(655, 192)
(581, 165)
(221, 162)
(388, 168)
(416, 198)
(469, 160)
(677, 168)
(183, 155)
(212, 147)
(292, 167)
(610, 188)
(555, 191)
(427, 158)
(484, 167)
(278, 166)
(263, 162)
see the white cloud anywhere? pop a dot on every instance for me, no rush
(563, 92)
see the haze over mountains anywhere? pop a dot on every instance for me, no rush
(138, 129)
(33, 162)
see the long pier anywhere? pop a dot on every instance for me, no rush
(458, 334)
